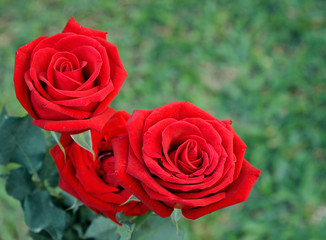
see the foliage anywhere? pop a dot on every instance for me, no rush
(260, 63)
(50, 213)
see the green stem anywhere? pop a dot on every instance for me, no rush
(141, 219)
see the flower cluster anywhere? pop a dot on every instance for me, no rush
(176, 156)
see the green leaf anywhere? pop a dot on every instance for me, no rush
(21, 142)
(7, 146)
(19, 183)
(42, 214)
(84, 140)
(155, 227)
(40, 236)
(125, 231)
(100, 228)
(49, 172)
(131, 198)
(176, 215)
(3, 116)
(72, 202)
(56, 138)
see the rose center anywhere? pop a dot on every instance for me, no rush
(188, 157)
(106, 168)
(66, 66)
(63, 65)
(67, 71)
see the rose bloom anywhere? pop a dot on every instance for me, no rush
(88, 178)
(66, 81)
(179, 156)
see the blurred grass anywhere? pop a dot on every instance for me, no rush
(260, 63)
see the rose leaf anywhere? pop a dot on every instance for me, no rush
(42, 214)
(19, 183)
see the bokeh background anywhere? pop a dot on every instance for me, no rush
(260, 63)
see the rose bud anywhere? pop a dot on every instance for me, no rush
(179, 156)
(66, 81)
(88, 178)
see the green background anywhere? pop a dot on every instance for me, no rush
(260, 63)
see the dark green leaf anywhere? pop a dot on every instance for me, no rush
(100, 228)
(21, 142)
(3, 116)
(125, 231)
(42, 214)
(7, 146)
(43, 235)
(72, 203)
(49, 171)
(155, 227)
(19, 183)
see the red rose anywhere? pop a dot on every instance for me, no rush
(66, 81)
(182, 157)
(88, 179)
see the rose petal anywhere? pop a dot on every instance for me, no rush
(91, 71)
(49, 42)
(237, 192)
(178, 202)
(117, 72)
(64, 82)
(207, 131)
(175, 178)
(130, 183)
(70, 184)
(40, 63)
(119, 121)
(178, 111)
(59, 94)
(239, 151)
(84, 172)
(152, 139)
(75, 27)
(85, 101)
(48, 110)
(76, 126)
(135, 127)
(22, 64)
(134, 208)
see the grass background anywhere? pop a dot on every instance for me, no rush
(260, 63)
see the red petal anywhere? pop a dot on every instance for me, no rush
(22, 64)
(178, 111)
(82, 161)
(95, 123)
(75, 27)
(49, 42)
(116, 126)
(93, 59)
(64, 82)
(134, 208)
(239, 149)
(237, 192)
(59, 94)
(135, 127)
(117, 72)
(48, 110)
(120, 145)
(86, 100)
(177, 201)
